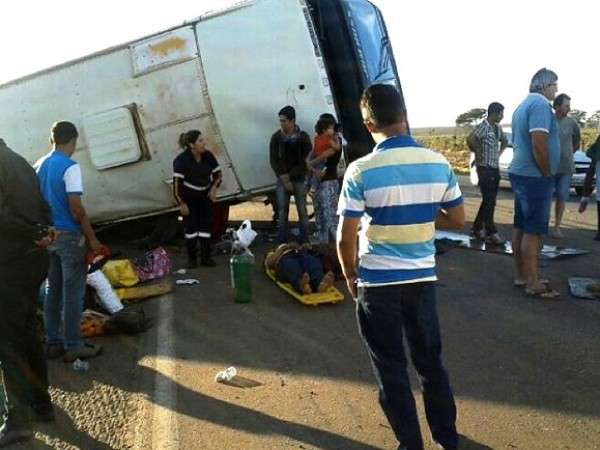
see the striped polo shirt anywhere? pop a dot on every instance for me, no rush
(397, 191)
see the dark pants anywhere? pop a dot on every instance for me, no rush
(24, 369)
(292, 266)
(489, 180)
(383, 314)
(197, 226)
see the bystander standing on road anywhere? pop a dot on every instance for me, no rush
(196, 178)
(488, 141)
(570, 140)
(62, 186)
(394, 194)
(536, 156)
(25, 221)
(288, 149)
(326, 196)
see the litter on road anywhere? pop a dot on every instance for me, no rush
(464, 241)
(226, 375)
(586, 288)
(187, 281)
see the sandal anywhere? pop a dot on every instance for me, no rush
(520, 284)
(543, 294)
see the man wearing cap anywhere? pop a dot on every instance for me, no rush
(536, 156)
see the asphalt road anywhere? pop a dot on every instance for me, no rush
(526, 373)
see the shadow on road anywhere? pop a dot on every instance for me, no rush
(59, 434)
(235, 417)
(467, 444)
(499, 346)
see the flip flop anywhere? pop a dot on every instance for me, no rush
(520, 284)
(544, 294)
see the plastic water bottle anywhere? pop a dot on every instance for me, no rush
(226, 375)
(81, 366)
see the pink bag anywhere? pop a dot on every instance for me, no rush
(154, 264)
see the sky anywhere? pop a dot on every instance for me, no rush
(451, 55)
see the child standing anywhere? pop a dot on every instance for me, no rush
(594, 154)
(324, 141)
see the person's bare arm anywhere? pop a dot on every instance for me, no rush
(347, 250)
(216, 182)
(539, 140)
(309, 159)
(451, 218)
(81, 217)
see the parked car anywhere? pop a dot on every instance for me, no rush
(582, 162)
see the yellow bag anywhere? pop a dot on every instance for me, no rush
(134, 294)
(121, 273)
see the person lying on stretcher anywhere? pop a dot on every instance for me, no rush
(292, 264)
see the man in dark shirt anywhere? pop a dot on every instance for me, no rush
(25, 229)
(288, 150)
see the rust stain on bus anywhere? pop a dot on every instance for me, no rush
(167, 46)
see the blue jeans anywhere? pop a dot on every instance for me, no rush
(283, 201)
(292, 266)
(383, 314)
(533, 198)
(66, 290)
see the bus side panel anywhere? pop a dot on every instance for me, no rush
(257, 60)
(167, 102)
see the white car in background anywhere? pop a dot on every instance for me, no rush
(582, 162)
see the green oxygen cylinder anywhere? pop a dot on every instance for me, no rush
(241, 266)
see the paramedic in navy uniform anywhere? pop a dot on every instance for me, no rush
(196, 177)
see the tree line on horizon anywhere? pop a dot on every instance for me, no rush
(471, 117)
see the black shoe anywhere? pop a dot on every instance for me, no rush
(54, 351)
(12, 434)
(42, 412)
(208, 262)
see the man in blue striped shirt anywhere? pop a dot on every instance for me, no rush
(397, 196)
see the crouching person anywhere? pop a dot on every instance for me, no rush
(24, 227)
(62, 186)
